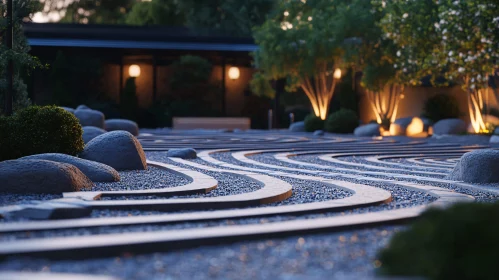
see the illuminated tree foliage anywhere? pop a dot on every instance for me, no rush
(456, 39)
(23, 62)
(156, 12)
(303, 43)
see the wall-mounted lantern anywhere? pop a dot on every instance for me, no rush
(234, 73)
(134, 71)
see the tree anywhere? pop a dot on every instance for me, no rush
(156, 12)
(89, 11)
(23, 62)
(456, 39)
(301, 43)
(227, 17)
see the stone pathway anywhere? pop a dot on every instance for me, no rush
(243, 187)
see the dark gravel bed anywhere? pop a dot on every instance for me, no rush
(315, 160)
(341, 255)
(228, 184)
(151, 178)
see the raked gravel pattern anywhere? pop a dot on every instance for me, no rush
(343, 255)
(152, 178)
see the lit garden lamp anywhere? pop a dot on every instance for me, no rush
(134, 71)
(234, 73)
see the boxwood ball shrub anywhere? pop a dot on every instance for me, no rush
(441, 106)
(36, 130)
(342, 121)
(313, 123)
(461, 242)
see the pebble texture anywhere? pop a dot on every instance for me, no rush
(297, 127)
(90, 132)
(367, 130)
(481, 166)
(89, 117)
(41, 176)
(449, 126)
(122, 124)
(118, 149)
(185, 153)
(95, 171)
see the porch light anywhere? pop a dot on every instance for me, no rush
(134, 71)
(337, 73)
(234, 73)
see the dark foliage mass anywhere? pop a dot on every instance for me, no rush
(342, 121)
(455, 243)
(36, 130)
(441, 106)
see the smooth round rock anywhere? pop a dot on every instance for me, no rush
(95, 171)
(449, 126)
(118, 149)
(41, 176)
(297, 127)
(90, 132)
(319, 133)
(480, 166)
(184, 153)
(71, 110)
(122, 124)
(83, 107)
(90, 117)
(367, 130)
(494, 139)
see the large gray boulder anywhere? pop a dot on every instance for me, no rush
(90, 132)
(41, 176)
(121, 124)
(89, 117)
(297, 127)
(494, 139)
(480, 166)
(367, 130)
(118, 149)
(185, 153)
(449, 126)
(95, 171)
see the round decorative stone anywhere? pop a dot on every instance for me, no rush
(449, 126)
(122, 124)
(118, 149)
(367, 130)
(184, 153)
(480, 166)
(41, 176)
(89, 117)
(90, 132)
(297, 127)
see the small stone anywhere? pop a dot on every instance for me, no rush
(449, 126)
(184, 153)
(319, 133)
(367, 130)
(480, 166)
(297, 127)
(89, 117)
(90, 132)
(122, 124)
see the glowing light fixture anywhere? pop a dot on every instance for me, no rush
(134, 71)
(337, 73)
(234, 73)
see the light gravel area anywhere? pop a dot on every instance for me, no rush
(340, 255)
(151, 178)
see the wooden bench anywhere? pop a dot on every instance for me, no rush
(211, 123)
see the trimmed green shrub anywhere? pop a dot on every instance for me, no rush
(460, 242)
(441, 106)
(313, 123)
(342, 121)
(36, 130)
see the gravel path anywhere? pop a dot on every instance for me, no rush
(344, 255)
